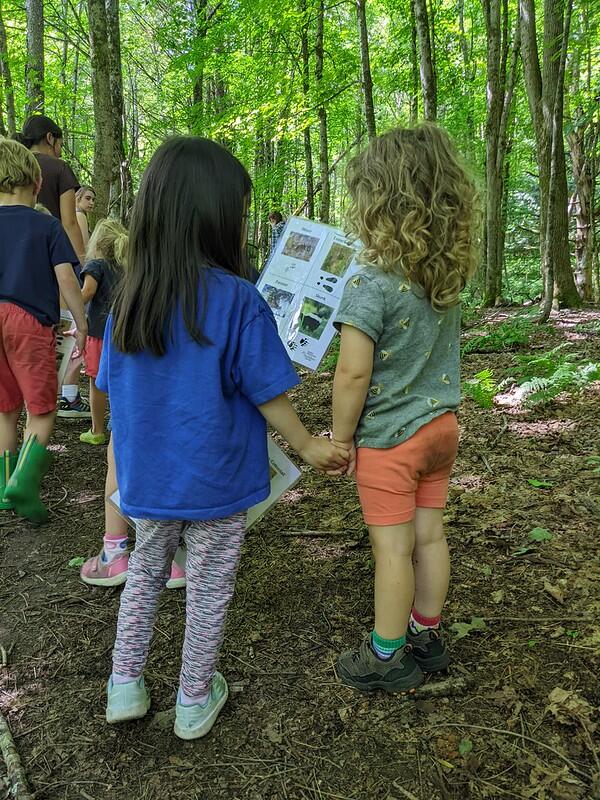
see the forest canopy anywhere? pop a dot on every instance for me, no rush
(295, 87)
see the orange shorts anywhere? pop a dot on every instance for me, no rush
(27, 362)
(393, 482)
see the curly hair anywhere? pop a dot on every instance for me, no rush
(416, 210)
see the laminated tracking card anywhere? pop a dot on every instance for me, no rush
(303, 284)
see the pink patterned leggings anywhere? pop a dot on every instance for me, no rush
(213, 554)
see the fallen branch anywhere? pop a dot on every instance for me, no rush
(17, 781)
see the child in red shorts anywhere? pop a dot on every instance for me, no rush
(36, 260)
(105, 257)
(397, 387)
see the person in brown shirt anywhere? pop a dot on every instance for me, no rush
(44, 138)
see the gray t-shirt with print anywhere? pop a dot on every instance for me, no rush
(416, 363)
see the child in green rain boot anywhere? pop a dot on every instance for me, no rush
(36, 261)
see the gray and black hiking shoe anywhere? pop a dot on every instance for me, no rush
(429, 649)
(363, 669)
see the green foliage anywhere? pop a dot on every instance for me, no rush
(482, 388)
(540, 535)
(330, 360)
(594, 461)
(544, 376)
(462, 629)
(506, 336)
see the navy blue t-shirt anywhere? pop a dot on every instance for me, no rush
(189, 441)
(31, 245)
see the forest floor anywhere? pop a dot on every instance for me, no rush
(518, 709)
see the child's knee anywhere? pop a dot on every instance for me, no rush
(429, 526)
(392, 541)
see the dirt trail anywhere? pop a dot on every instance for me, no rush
(290, 731)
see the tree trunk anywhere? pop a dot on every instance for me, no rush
(500, 90)
(34, 68)
(428, 82)
(308, 160)
(545, 96)
(121, 190)
(367, 80)
(414, 63)
(5, 73)
(103, 111)
(556, 275)
(323, 143)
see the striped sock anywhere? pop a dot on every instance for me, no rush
(418, 623)
(385, 648)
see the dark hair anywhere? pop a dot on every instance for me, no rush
(35, 130)
(188, 216)
(275, 216)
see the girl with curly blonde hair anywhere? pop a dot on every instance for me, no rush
(396, 388)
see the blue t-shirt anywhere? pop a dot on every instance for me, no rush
(189, 441)
(31, 245)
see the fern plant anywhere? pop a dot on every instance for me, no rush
(506, 336)
(544, 376)
(482, 388)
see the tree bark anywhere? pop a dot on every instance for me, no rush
(121, 190)
(367, 80)
(427, 67)
(500, 90)
(103, 110)
(545, 97)
(414, 63)
(308, 159)
(557, 224)
(5, 73)
(34, 68)
(323, 143)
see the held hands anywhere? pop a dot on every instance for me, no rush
(350, 448)
(80, 337)
(325, 455)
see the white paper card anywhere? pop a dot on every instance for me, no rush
(303, 284)
(284, 475)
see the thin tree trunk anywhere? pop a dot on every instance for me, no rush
(121, 193)
(323, 143)
(542, 96)
(500, 89)
(103, 111)
(427, 69)
(34, 68)
(5, 73)
(414, 63)
(557, 219)
(367, 80)
(308, 160)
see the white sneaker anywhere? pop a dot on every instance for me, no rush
(126, 700)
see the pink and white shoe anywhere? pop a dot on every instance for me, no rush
(177, 579)
(95, 572)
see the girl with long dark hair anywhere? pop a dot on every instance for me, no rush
(194, 369)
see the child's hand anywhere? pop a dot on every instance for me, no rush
(350, 448)
(324, 455)
(80, 339)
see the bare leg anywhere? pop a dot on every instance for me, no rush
(8, 429)
(98, 407)
(431, 562)
(73, 373)
(40, 425)
(394, 577)
(113, 521)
